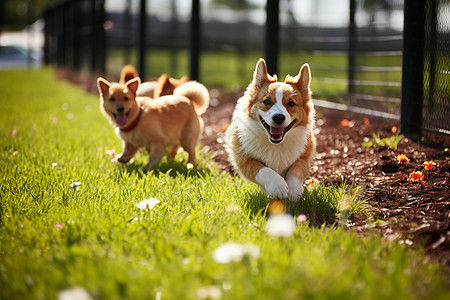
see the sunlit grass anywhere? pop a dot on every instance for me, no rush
(68, 218)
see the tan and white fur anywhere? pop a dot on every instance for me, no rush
(271, 140)
(154, 124)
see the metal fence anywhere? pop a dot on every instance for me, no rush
(436, 93)
(426, 68)
(355, 48)
(357, 62)
(74, 35)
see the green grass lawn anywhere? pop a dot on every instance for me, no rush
(68, 218)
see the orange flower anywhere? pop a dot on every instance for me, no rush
(311, 180)
(276, 207)
(416, 176)
(429, 165)
(402, 157)
(345, 123)
(394, 129)
(366, 121)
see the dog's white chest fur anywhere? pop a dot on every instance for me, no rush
(278, 157)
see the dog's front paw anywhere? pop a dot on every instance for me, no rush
(272, 183)
(123, 159)
(295, 188)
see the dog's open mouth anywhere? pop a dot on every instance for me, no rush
(121, 119)
(276, 134)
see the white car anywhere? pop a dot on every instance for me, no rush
(15, 57)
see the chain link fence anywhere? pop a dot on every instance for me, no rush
(436, 88)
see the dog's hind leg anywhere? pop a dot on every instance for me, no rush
(173, 151)
(189, 138)
(189, 147)
(156, 152)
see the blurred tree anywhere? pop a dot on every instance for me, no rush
(16, 14)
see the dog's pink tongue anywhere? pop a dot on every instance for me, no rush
(276, 130)
(121, 120)
(276, 133)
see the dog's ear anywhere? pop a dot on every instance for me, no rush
(103, 85)
(128, 72)
(260, 76)
(133, 84)
(303, 79)
(163, 81)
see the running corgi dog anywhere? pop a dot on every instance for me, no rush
(154, 124)
(271, 138)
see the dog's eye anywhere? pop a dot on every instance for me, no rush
(112, 99)
(291, 104)
(125, 99)
(267, 101)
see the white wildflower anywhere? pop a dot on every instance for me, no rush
(251, 250)
(281, 225)
(75, 185)
(209, 292)
(227, 253)
(234, 252)
(148, 203)
(76, 293)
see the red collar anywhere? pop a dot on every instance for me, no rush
(133, 124)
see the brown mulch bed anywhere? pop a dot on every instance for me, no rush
(398, 209)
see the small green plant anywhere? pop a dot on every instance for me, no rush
(377, 141)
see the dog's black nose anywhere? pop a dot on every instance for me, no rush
(120, 109)
(278, 118)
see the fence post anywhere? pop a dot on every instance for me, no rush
(412, 69)
(77, 39)
(128, 33)
(47, 36)
(271, 38)
(351, 49)
(98, 47)
(195, 40)
(142, 36)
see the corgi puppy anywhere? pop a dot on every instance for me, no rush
(271, 140)
(165, 85)
(154, 124)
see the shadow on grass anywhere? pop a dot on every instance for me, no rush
(322, 205)
(174, 168)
